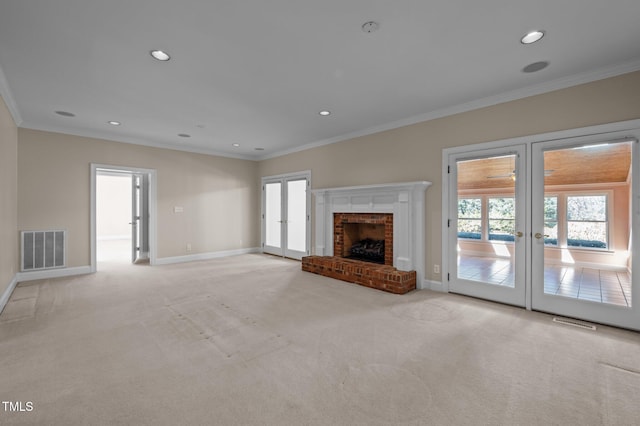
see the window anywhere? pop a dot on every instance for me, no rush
(551, 220)
(502, 218)
(470, 218)
(587, 221)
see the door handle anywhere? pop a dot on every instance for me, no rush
(518, 234)
(539, 235)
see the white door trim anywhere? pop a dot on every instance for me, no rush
(95, 167)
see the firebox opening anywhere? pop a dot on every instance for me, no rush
(364, 241)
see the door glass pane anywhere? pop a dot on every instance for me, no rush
(273, 216)
(486, 223)
(587, 226)
(297, 215)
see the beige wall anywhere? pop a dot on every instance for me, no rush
(8, 198)
(415, 152)
(220, 196)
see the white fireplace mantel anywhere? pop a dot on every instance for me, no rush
(406, 202)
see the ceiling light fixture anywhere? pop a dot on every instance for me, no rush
(114, 123)
(536, 66)
(65, 113)
(236, 145)
(532, 37)
(325, 113)
(160, 55)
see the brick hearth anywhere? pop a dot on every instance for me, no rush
(381, 277)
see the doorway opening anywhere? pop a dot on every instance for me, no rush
(122, 216)
(113, 217)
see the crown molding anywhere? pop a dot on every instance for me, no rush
(134, 141)
(512, 95)
(9, 100)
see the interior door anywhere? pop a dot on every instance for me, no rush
(487, 238)
(286, 216)
(139, 217)
(585, 205)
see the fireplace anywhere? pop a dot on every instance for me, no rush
(364, 236)
(393, 213)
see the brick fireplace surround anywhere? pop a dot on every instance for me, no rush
(399, 207)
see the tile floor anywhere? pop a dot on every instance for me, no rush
(596, 285)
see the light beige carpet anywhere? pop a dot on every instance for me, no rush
(253, 340)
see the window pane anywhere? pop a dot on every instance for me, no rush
(297, 215)
(501, 215)
(551, 221)
(469, 218)
(551, 209)
(502, 208)
(587, 234)
(470, 228)
(273, 221)
(470, 208)
(501, 229)
(588, 208)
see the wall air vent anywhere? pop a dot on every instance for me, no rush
(43, 250)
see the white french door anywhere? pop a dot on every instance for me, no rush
(285, 215)
(487, 236)
(547, 224)
(582, 221)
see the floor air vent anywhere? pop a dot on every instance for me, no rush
(575, 323)
(43, 249)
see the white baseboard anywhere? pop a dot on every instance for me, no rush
(7, 293)
(205, 256)
(433, 285)
(53, 273)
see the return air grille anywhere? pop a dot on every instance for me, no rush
(43, 249)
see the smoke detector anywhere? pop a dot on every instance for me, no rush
(369, 27)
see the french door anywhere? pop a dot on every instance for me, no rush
(586, 196)
(285, 215)
(547, 225)
(487, 240)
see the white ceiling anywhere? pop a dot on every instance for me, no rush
(256, 72)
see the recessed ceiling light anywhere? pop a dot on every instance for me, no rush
(532, 37)
(114, 123)
(184, 135)
(236, 145)
(536, 66)
(325, 113)
(160, 55)
(65, 113)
